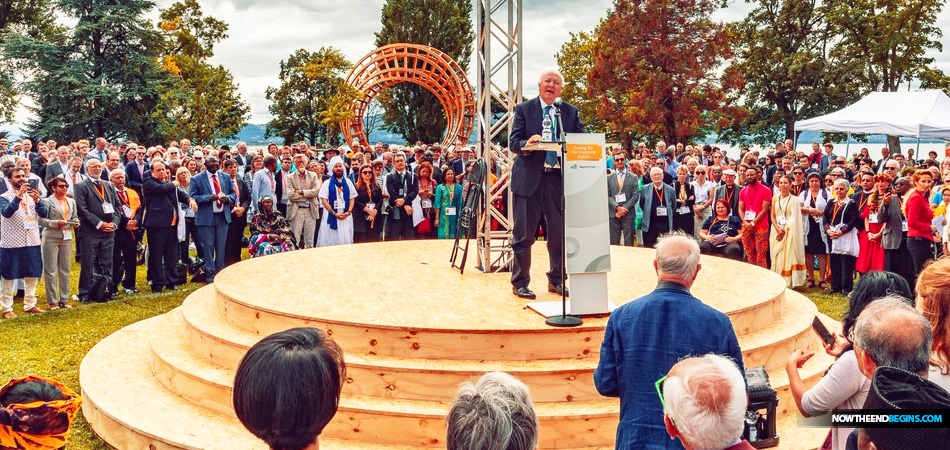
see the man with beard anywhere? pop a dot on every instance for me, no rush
(99, 213)
(303, 210)
(338, 196)
(242, 198)
(755, 202)
(729, 191)
(213, 191)
(20, 256)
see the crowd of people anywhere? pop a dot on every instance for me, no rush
(790, 211)
(105, 203)
(680, 378)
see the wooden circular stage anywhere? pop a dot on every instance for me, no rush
(412, 329)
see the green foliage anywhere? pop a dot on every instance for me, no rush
(98, 78)
(656, 70)
(575, 61)
(197, 100)
(30, 17)
(311, 98)
(411, 111)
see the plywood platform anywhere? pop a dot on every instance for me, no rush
(412, 329)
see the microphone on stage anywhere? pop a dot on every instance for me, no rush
(557, 116)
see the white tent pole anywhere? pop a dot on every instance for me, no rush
(847, 148)
(917, 152)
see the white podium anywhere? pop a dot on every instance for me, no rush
(587, 231)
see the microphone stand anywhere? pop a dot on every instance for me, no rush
(563, 320)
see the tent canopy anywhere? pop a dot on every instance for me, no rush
(920, 114)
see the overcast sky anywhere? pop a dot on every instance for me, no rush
(264, 32)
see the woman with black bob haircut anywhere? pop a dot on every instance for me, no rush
(287, 387)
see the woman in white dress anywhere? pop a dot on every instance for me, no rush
(337, 196)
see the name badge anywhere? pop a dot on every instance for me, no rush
(67, 234)
(107, 208)
(127, 211)
(749, 215)
(661, 211)
(450, 211)
(304, 204)
(683, 210)
(30, 223)
(426, 203)
(781, 221)
(371, 205)
(621, 197)
(402, 192)
(814, 166)
(904, 225)
(873, 218)
(338, 205)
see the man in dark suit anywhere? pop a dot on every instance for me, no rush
(623, 192)
(135, 170)
(403, 187)
(213, 191)
(536, 182)
(459, 164)
(159, 216)
(57, 166)
(234, 244)
(729, 190)
(657, 200)
(99, 213)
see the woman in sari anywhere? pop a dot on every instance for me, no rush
(448, 205)
(424, 230)
(270, 232)
(787, 238)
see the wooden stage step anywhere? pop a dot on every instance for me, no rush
(165, 383)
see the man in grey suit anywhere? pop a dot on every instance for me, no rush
(623, 192)
(657, 202)
(98, 206)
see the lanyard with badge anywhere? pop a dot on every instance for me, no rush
(67, 231)
(29, 221)
(303, 183)
(782, 219)
(661, 209)
(450, 192)
(620, 197)
(100, 191)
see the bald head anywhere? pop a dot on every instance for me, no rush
(890, 332)
(677, 258)
(705, 402)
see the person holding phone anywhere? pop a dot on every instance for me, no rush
(20, 256)
(843, 386)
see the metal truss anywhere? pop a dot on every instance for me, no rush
(498, 57)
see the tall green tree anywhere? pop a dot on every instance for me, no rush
(575, 60)
(98, 78)
(34, 18)
(783, 54)
(311, 98)
(198, 100)
(888, 40)
(656, 71)
(411, 111)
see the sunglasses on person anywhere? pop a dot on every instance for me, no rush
(700, 172)
(367, 172)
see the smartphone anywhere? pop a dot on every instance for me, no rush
(822, 331)
(33, 184)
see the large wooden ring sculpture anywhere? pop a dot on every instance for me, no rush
(423, 65)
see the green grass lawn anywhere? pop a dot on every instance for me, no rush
(53, 344)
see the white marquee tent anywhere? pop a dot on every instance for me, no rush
(920, 114)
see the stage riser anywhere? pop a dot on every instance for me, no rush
(120, 436)
(411, 343)
(561, 433)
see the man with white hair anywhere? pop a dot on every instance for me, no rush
(338, 196)
(536, 182)
(646, 337)
(656, 201)
(704, 403)
(496, 413)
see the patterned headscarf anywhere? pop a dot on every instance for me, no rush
(38, 425)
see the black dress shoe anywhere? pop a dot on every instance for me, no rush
(556, 288)
(84, 300)
(156, 288)
(523, 292)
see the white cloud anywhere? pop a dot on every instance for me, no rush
(262, 33)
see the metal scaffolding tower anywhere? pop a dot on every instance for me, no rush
(498, 56)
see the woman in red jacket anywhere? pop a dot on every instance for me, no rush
(920, 228)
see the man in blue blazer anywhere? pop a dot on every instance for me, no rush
(213, 191)
(536, 183)
(657, 208)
